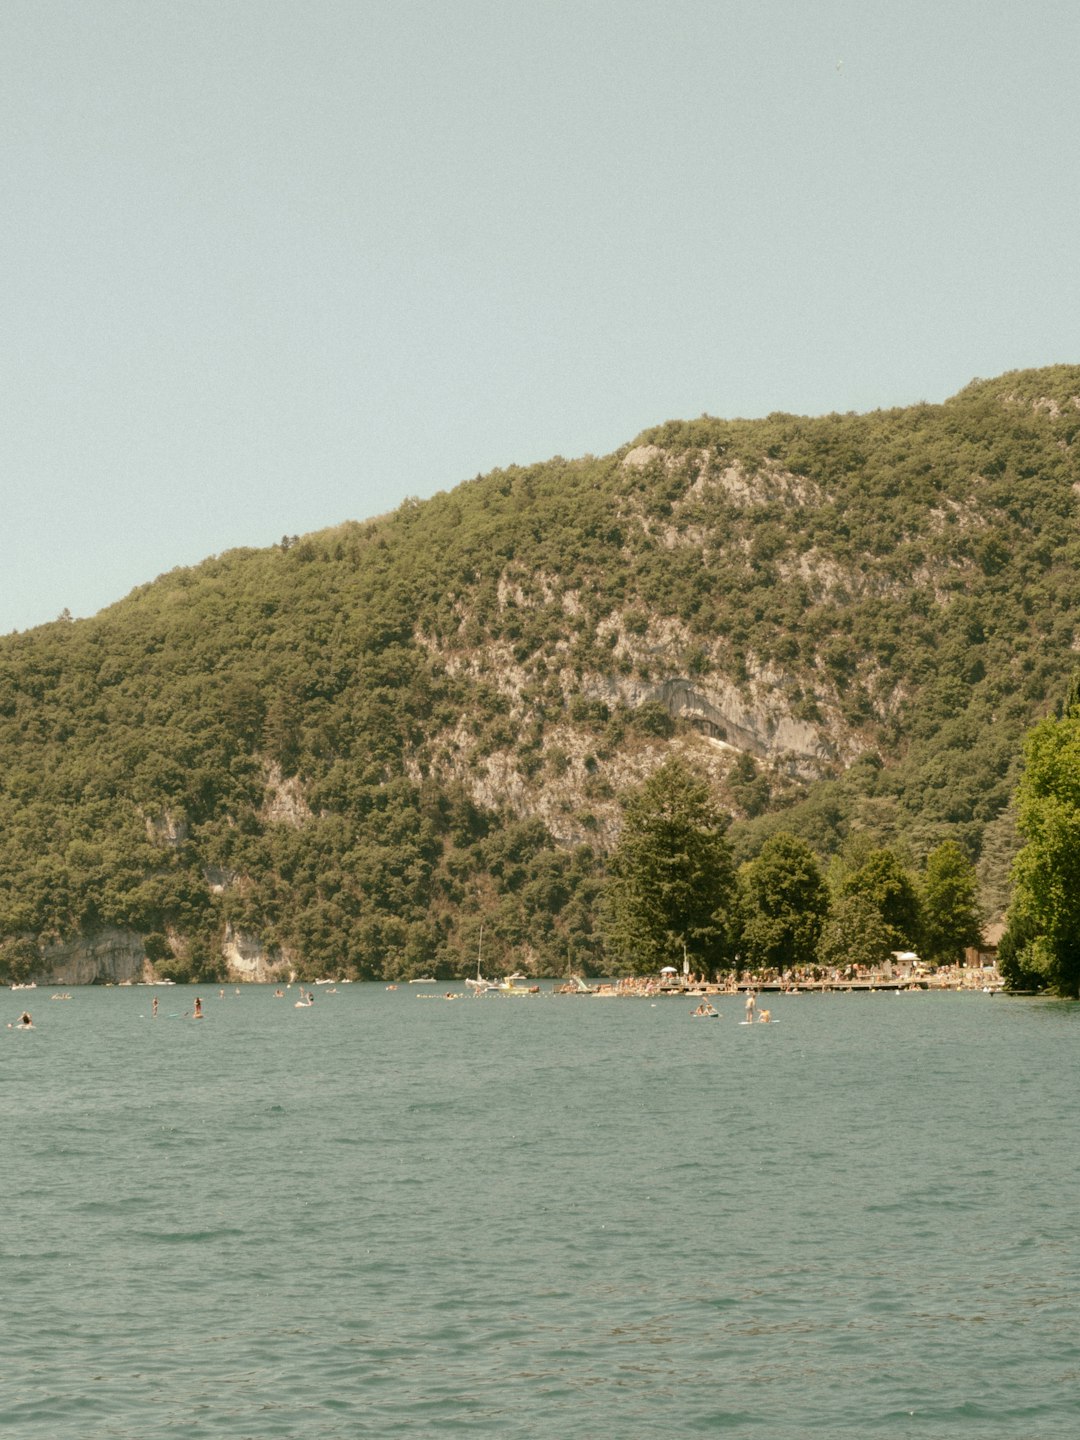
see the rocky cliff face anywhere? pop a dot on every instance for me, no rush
(117, 957)
(246, 958)
(107, 957)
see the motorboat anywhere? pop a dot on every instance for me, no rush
(512, 985)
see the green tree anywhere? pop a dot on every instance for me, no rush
(1044, 917)
(1018, 957)
(784, 904)
(855, 934)
(949, 917)
(884, 881)
(19, 960)
(156, 947)
(672, 880)
(749, 788)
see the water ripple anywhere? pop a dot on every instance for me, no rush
(550, 1219)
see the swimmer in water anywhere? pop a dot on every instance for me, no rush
(25, 1023)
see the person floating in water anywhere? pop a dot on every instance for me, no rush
(25, 1023)
(197, 1012)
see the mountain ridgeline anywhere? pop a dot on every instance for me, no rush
(344, 753)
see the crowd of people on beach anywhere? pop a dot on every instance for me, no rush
(806, 977)
(943, 977)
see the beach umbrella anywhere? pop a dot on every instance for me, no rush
(668, 970)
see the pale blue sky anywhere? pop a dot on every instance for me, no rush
(272, 264)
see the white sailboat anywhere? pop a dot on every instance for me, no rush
(480, 986)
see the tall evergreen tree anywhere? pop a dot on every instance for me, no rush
(672, 879)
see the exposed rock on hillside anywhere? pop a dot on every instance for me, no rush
(284, 803)
(248, 959)
(348, 750)
(105, 956)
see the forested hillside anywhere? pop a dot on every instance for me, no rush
(346, 751)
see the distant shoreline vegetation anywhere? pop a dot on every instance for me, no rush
(344, 753)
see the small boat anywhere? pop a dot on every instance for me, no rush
(480, 986)
(575, 985)
(511, 985)
(424, 980)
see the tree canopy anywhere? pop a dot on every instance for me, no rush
(950, 921)
(672, 879)
(1042, 946)
(784, 904)
(884, 882)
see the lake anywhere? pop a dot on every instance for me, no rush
(545, 1216)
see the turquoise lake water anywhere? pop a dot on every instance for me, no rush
(541, 1216)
